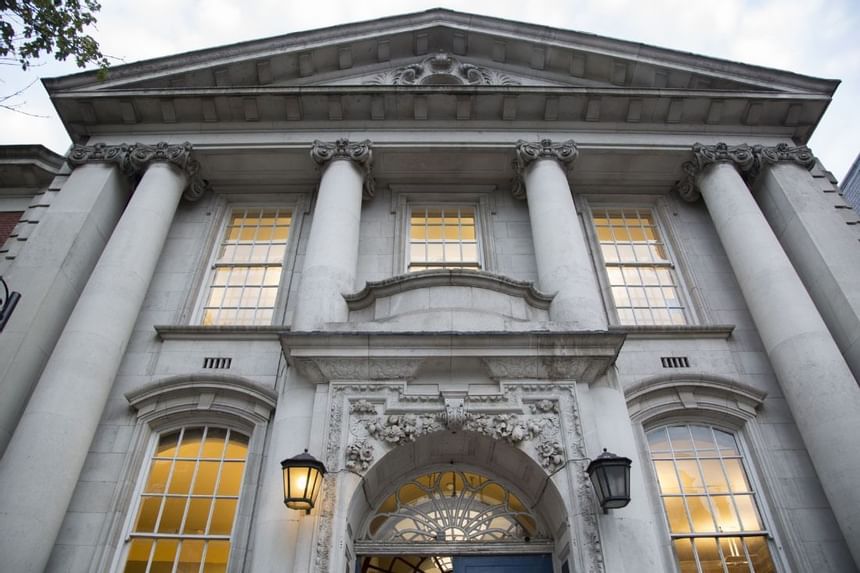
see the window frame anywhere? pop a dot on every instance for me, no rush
(677, 264)
(298, 206)
(724, 404)
(755, 489)
(479, 197)
(167, 405)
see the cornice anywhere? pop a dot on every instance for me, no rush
(360, 152)
(133, 160)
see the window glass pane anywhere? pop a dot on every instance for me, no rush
(700, 514)
(213, 447)
(171, 515)
(737, 477)
(237, 447)
(715, 481)
(759, 554)
(138, 556)
(198, 516)
(681, 439)
(183, 471)
(684, 552)
(148, 514)
(217, 553)
(167, 445)
(724, 511)
(190, 556)
(677, 515)
(207, 473)
(748, 512)
(667, 478)
(691, 479)
(190, 446)
(709, 555)
(732, 549)
(159, 471)
(231, 477)
(222, 517)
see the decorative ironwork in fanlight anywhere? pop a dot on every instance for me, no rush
(453, 506)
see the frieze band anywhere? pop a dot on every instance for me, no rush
(360, 152)
(748, 160)
(527, 153)
(135, 158)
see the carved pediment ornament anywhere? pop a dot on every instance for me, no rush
(747, 159)
(442, 69)
(526, 153)
(135, 158)
(360, 152)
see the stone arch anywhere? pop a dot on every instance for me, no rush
(444, 450)
(712, 398)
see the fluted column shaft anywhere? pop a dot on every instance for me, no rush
(816, 382)
(51, 271)
(331, 255)
(46, 454)
(561, 252)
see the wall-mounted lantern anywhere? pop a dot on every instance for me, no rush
(303, 475)
(610, 476)
(8, 301)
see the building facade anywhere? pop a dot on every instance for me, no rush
(454, 258)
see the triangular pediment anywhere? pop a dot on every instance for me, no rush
(484, 51)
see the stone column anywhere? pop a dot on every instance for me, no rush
(818, 386)
(53, 268)
(44, 459)
(815, 237)
(561, 251)
(331, 255)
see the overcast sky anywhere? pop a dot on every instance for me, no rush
(813, 37)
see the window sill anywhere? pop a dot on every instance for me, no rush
(722, 331)
(188, 332)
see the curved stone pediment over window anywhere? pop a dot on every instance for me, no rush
(449, 299)
(442, 69)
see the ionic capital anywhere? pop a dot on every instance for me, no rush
(741, 156)
(801, 155)
(133, 160)
(526, 153)
(360, 152)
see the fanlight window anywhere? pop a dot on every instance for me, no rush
(452, 506)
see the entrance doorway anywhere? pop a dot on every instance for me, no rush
(455, 564)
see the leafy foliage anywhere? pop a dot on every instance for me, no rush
(29, 28)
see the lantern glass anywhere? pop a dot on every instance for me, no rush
(303, 476)
(610, 476)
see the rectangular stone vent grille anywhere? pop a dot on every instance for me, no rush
(675, 361)
(217, 363)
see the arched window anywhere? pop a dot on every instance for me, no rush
(710, 503)
(186, 510)
(452, 506)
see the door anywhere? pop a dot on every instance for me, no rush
(503, 564)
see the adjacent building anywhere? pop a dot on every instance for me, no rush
(454, 258)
